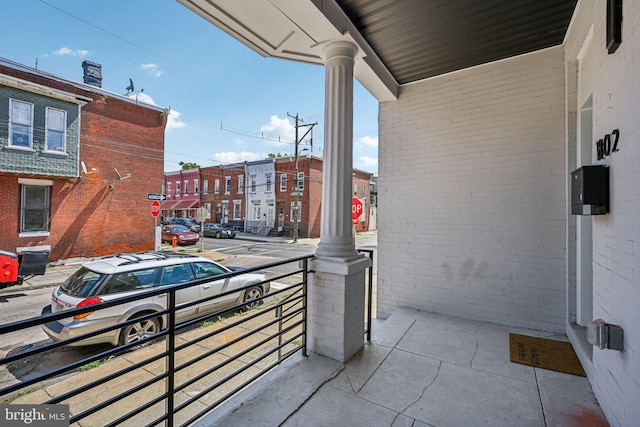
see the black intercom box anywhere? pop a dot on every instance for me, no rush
(590, 190)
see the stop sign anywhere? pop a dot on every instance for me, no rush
(155, 208)
(356, 210)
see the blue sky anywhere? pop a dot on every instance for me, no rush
(228, 103)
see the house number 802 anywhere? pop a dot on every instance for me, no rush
(605, 146)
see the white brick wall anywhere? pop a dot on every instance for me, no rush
(472, 194)
(615, 86)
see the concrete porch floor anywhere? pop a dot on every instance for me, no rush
(421, 369)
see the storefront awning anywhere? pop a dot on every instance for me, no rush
(186, 204)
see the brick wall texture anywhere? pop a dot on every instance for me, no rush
(472, 194)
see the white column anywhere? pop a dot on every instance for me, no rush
(336, 292)
(336, 240)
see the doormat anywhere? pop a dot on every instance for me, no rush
(544, 353)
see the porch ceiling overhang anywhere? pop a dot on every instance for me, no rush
(401, 41)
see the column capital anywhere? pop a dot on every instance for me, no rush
(342, 47)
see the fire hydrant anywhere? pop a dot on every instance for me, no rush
(174, 241)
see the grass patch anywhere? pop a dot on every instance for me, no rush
(94, 364)
(22, 394)
(208, 323)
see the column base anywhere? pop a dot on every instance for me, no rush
(336, 307)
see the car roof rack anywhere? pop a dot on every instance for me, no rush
(134, 257)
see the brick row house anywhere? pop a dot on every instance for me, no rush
(71, 179)
(182, 189)
(259, 197)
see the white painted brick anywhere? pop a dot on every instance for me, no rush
(469, 162)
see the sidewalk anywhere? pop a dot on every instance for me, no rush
(58, 271)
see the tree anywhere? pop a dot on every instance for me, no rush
(189, 165)
(278, 155)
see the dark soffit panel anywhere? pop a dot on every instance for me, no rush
(418, 39)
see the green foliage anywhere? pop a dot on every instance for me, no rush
(188, 165)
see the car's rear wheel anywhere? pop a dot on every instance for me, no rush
(139, 330)
(251, 296)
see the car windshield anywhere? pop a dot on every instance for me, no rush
(82, 283)
(179, 229)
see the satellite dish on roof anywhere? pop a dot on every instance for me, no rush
(130, 88)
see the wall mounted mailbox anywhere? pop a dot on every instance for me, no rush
(590, 190)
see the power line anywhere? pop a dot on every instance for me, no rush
(101, 29)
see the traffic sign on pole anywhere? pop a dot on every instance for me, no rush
(152, 196)
(155, 208)
(356, 210)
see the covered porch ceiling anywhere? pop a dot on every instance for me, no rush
(401, 41)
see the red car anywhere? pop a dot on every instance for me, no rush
(182, 234)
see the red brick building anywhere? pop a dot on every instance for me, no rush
(227, 192)
(225, 195)
(310, 184)
(182, 189)
(76, 165)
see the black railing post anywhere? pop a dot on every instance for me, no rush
(370, 297)
(171, 358)
(305, 290)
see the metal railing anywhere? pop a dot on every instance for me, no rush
(180, 374)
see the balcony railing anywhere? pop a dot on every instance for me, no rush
(183, 372)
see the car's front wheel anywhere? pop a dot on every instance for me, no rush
(251, 296)
(218, 235)
(139, 330)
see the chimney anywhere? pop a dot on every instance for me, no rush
(92, 73)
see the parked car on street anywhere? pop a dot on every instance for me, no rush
(125, 275)
(189, 223)
(218, 231)
(183, 235)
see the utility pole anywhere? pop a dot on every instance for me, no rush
(296, 189)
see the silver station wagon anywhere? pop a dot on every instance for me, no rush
(122, 275)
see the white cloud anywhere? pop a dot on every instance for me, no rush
(152, 69)
(232, 157)
(65, 51)
(173, 121)
(367, 142)
(368, 162)
(279, 130)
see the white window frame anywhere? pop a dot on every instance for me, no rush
(269, 183)
(186, 187)
(237, 209)
(16, 121)
(169, 194)
(254, 183)
(240, 184)
(355, 190)
(300, 182)
(47, 186)
(50, 131)
(227, 185)
(255, 211)
(205, 186)
(283, 182)
(178, 189)
(196, 186)
(216, 186)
